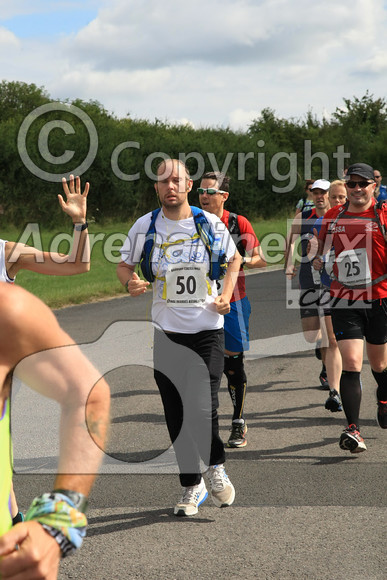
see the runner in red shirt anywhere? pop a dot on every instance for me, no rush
(359, 291)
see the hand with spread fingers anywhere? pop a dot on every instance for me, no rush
(76, 202)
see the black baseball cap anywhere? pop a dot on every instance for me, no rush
(361, 169)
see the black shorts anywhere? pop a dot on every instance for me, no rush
(314, 302)
(369, 321)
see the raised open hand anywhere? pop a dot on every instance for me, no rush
(76, 201)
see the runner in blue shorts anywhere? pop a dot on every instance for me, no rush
(213, 192)
(236, 326)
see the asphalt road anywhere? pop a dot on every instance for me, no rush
(304, 509)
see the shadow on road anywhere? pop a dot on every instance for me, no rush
(129, 521)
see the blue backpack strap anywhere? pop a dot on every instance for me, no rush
(147, 252)
(218, 259)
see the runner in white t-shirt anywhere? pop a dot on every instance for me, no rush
(188, 317)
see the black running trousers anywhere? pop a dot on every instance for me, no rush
(188, 370)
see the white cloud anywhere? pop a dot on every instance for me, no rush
(8, 41)
(240, 119)
(375, 65)
(131, 35)
(213, 62)
(16, 8)
(117, 91)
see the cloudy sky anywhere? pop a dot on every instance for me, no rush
(207, 62)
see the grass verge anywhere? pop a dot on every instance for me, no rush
(106, 240)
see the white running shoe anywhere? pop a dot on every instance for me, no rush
(193, 496)
(222, 490)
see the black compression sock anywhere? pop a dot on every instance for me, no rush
(350, 392)
(381, 379)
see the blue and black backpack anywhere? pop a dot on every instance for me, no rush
(218, 259)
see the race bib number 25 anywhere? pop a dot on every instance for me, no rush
(186, 285)
(353, 267)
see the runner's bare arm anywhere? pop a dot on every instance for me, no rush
(256, 259)
(45, 358)
(21, 257)
(295, 231)
(132, 282)
(222, 302)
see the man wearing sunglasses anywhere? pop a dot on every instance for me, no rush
(359, 294)
(213, 193)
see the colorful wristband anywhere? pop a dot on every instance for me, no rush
(60, 518)
(79, 500)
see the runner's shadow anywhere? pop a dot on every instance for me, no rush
(140, 418)
(136, 456)
(282, 452)
(283, 411)
(136, 393)
(129, 521)
(270, 384)
(288, 453)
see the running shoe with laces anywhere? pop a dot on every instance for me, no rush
(238, 435)
(382, 414)
(222, 490)
(351, 440)
(333, 402)
(193, 496)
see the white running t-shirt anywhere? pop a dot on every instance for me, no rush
(183, 294)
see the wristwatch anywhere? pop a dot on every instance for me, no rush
(81, 227)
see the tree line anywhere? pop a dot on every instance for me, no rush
(41, 140)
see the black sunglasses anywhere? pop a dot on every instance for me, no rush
(362, 184)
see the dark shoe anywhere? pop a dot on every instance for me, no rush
(238, 435)
(324, 380)
(351, 440)
(333, 402)
(382, 414)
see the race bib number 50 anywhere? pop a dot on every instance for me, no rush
(186, 285)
